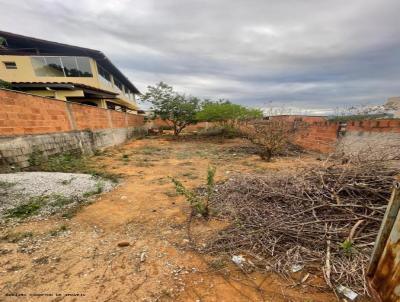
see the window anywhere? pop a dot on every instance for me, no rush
(70, 66)
(104, 73)
(84, 67)
(119, 84)
(61, 66)
(104, 76)
(10, 65)
(47, 66)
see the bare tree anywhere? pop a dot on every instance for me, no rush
(272, 137)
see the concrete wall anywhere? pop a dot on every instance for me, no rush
(30, 123)
(17, 151)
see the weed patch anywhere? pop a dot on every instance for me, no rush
(99, 189)
(59, 201)
(36, 158)
(59, 230)
(74, 163)
(30, 208)
(16, 237)
(4, 185)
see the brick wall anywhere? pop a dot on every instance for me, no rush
(22, 114)
(31, 123)
(27, 114)
(321, 137)
(299, 118)
(88, 117)
(374, 126)
(324, 137)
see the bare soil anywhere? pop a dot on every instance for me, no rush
(131, 244)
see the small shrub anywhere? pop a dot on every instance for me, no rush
(30, 208)
(347, 247)
(5, 84)
(36, 158)
(66, 162)
(99, 189)
(105, 175)
(60, 201)
(272, 137)
(199, 203)
(225, 131)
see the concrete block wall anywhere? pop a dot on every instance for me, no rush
(31, 124)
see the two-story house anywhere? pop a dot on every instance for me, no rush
(64, 72)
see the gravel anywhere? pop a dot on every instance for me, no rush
(19, 188)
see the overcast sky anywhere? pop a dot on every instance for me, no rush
(309, 54)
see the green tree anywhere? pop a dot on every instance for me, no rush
(225, 112)
(176, 109)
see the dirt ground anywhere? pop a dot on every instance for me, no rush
(83, 261)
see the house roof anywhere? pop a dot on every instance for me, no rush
(24, 45)
(64, 85)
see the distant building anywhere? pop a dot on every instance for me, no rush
(297, 118)
(393, 105)
(64, 72)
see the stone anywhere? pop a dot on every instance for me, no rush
(123, 244)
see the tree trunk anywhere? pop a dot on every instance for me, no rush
(266, 155)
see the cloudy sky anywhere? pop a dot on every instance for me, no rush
(309, 55)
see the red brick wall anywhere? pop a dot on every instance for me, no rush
(301, 118)
(134, 120)
(118, 119)
(374, 126)
(320, 137)
(27, 114)
(88, 117)
(22, 113)
(323, 137)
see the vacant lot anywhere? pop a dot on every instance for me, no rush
(131, 244)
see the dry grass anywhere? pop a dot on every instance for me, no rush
(325, 218)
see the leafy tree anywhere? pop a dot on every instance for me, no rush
(176, 109)
(225, 112)
(4, 84)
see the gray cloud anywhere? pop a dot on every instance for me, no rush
(302, 54)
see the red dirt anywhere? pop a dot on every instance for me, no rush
(158, 264)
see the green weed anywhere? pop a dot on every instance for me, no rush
(99, 189)
(347, 247)
(29, 208)
(199, 203)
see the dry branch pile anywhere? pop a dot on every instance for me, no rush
(325, 218)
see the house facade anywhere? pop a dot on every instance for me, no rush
(64, 72)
